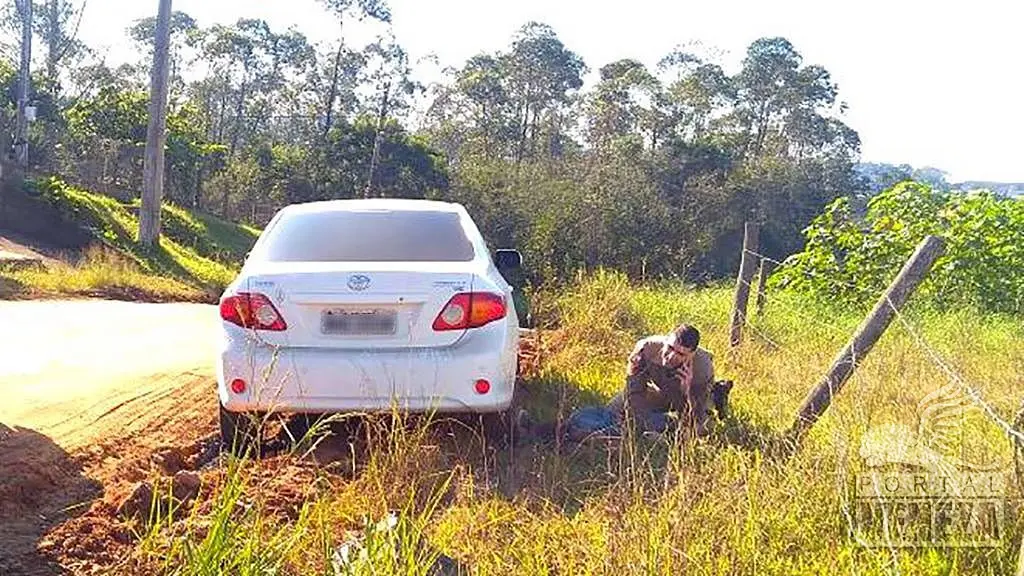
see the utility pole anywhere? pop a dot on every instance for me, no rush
(21, 141)
(156, 136)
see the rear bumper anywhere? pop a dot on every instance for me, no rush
(283, 379)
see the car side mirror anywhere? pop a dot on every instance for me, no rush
(508, 259)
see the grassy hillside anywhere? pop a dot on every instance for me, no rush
(725, 505)
(197, 256)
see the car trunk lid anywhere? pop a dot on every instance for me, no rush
(360, 305)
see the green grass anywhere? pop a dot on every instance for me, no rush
(207, 235)
(725, 505)
(197, 255)
(100, 273)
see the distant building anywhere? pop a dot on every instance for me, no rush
(1002, 188)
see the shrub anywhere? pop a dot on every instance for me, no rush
(853, 258)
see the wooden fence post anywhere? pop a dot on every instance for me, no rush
(766, 270)
(748, 262)
(867, 334)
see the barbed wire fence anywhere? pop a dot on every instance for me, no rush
(1013, 429)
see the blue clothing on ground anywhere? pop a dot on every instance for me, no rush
(598, 420)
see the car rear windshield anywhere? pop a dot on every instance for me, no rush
(369, 236)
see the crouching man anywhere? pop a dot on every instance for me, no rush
(668, 373)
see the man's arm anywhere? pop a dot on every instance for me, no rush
(698, 392)
(636, 366)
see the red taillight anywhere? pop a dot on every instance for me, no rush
(251, 310)
(482, 386)
(238, 385)
(470, 310)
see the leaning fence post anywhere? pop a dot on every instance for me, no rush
(867, 334)
(746, 275)
(762, 280)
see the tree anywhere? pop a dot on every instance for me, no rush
(781, 105)
(875, 177)
(184, 33)
(540, 73)
(932, 177)
(652, 170)
(698, 93)
(59, 26)
(56, 24)
(514, 105)
(342, 10)
(24, 82)
(389, 74)
(472, 116)
(628, 101)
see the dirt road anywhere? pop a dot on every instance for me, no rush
(14, 247)
(89, 391)
(68, 365)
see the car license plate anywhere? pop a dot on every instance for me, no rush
(359, 322)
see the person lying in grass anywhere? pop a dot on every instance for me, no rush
(668, 373)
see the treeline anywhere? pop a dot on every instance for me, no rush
(650, 170)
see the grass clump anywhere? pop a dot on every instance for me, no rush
(595, 318)
(206, 235)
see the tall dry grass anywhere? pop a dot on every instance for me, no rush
(101, 272)
(725, 505)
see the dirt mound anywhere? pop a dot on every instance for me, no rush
(536, 345)
(39, 482)
(17, 245)
(33, 465)
(100, 539)
(81, 487)
(25, 215)
(58, 508)
(103, 539)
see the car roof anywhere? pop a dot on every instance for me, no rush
(383, 204)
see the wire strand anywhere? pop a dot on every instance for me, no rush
(861, 289)
(971, 391)
(797, 313)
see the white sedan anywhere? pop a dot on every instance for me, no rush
(367, 305)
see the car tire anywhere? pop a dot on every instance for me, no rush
(501, 429)
(240, 433)
(498, 428)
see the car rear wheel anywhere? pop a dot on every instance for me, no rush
(498, 428)
(501, 429)
(240, 432)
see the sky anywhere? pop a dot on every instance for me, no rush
(927, 83)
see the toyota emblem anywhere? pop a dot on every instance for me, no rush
(358, 282)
